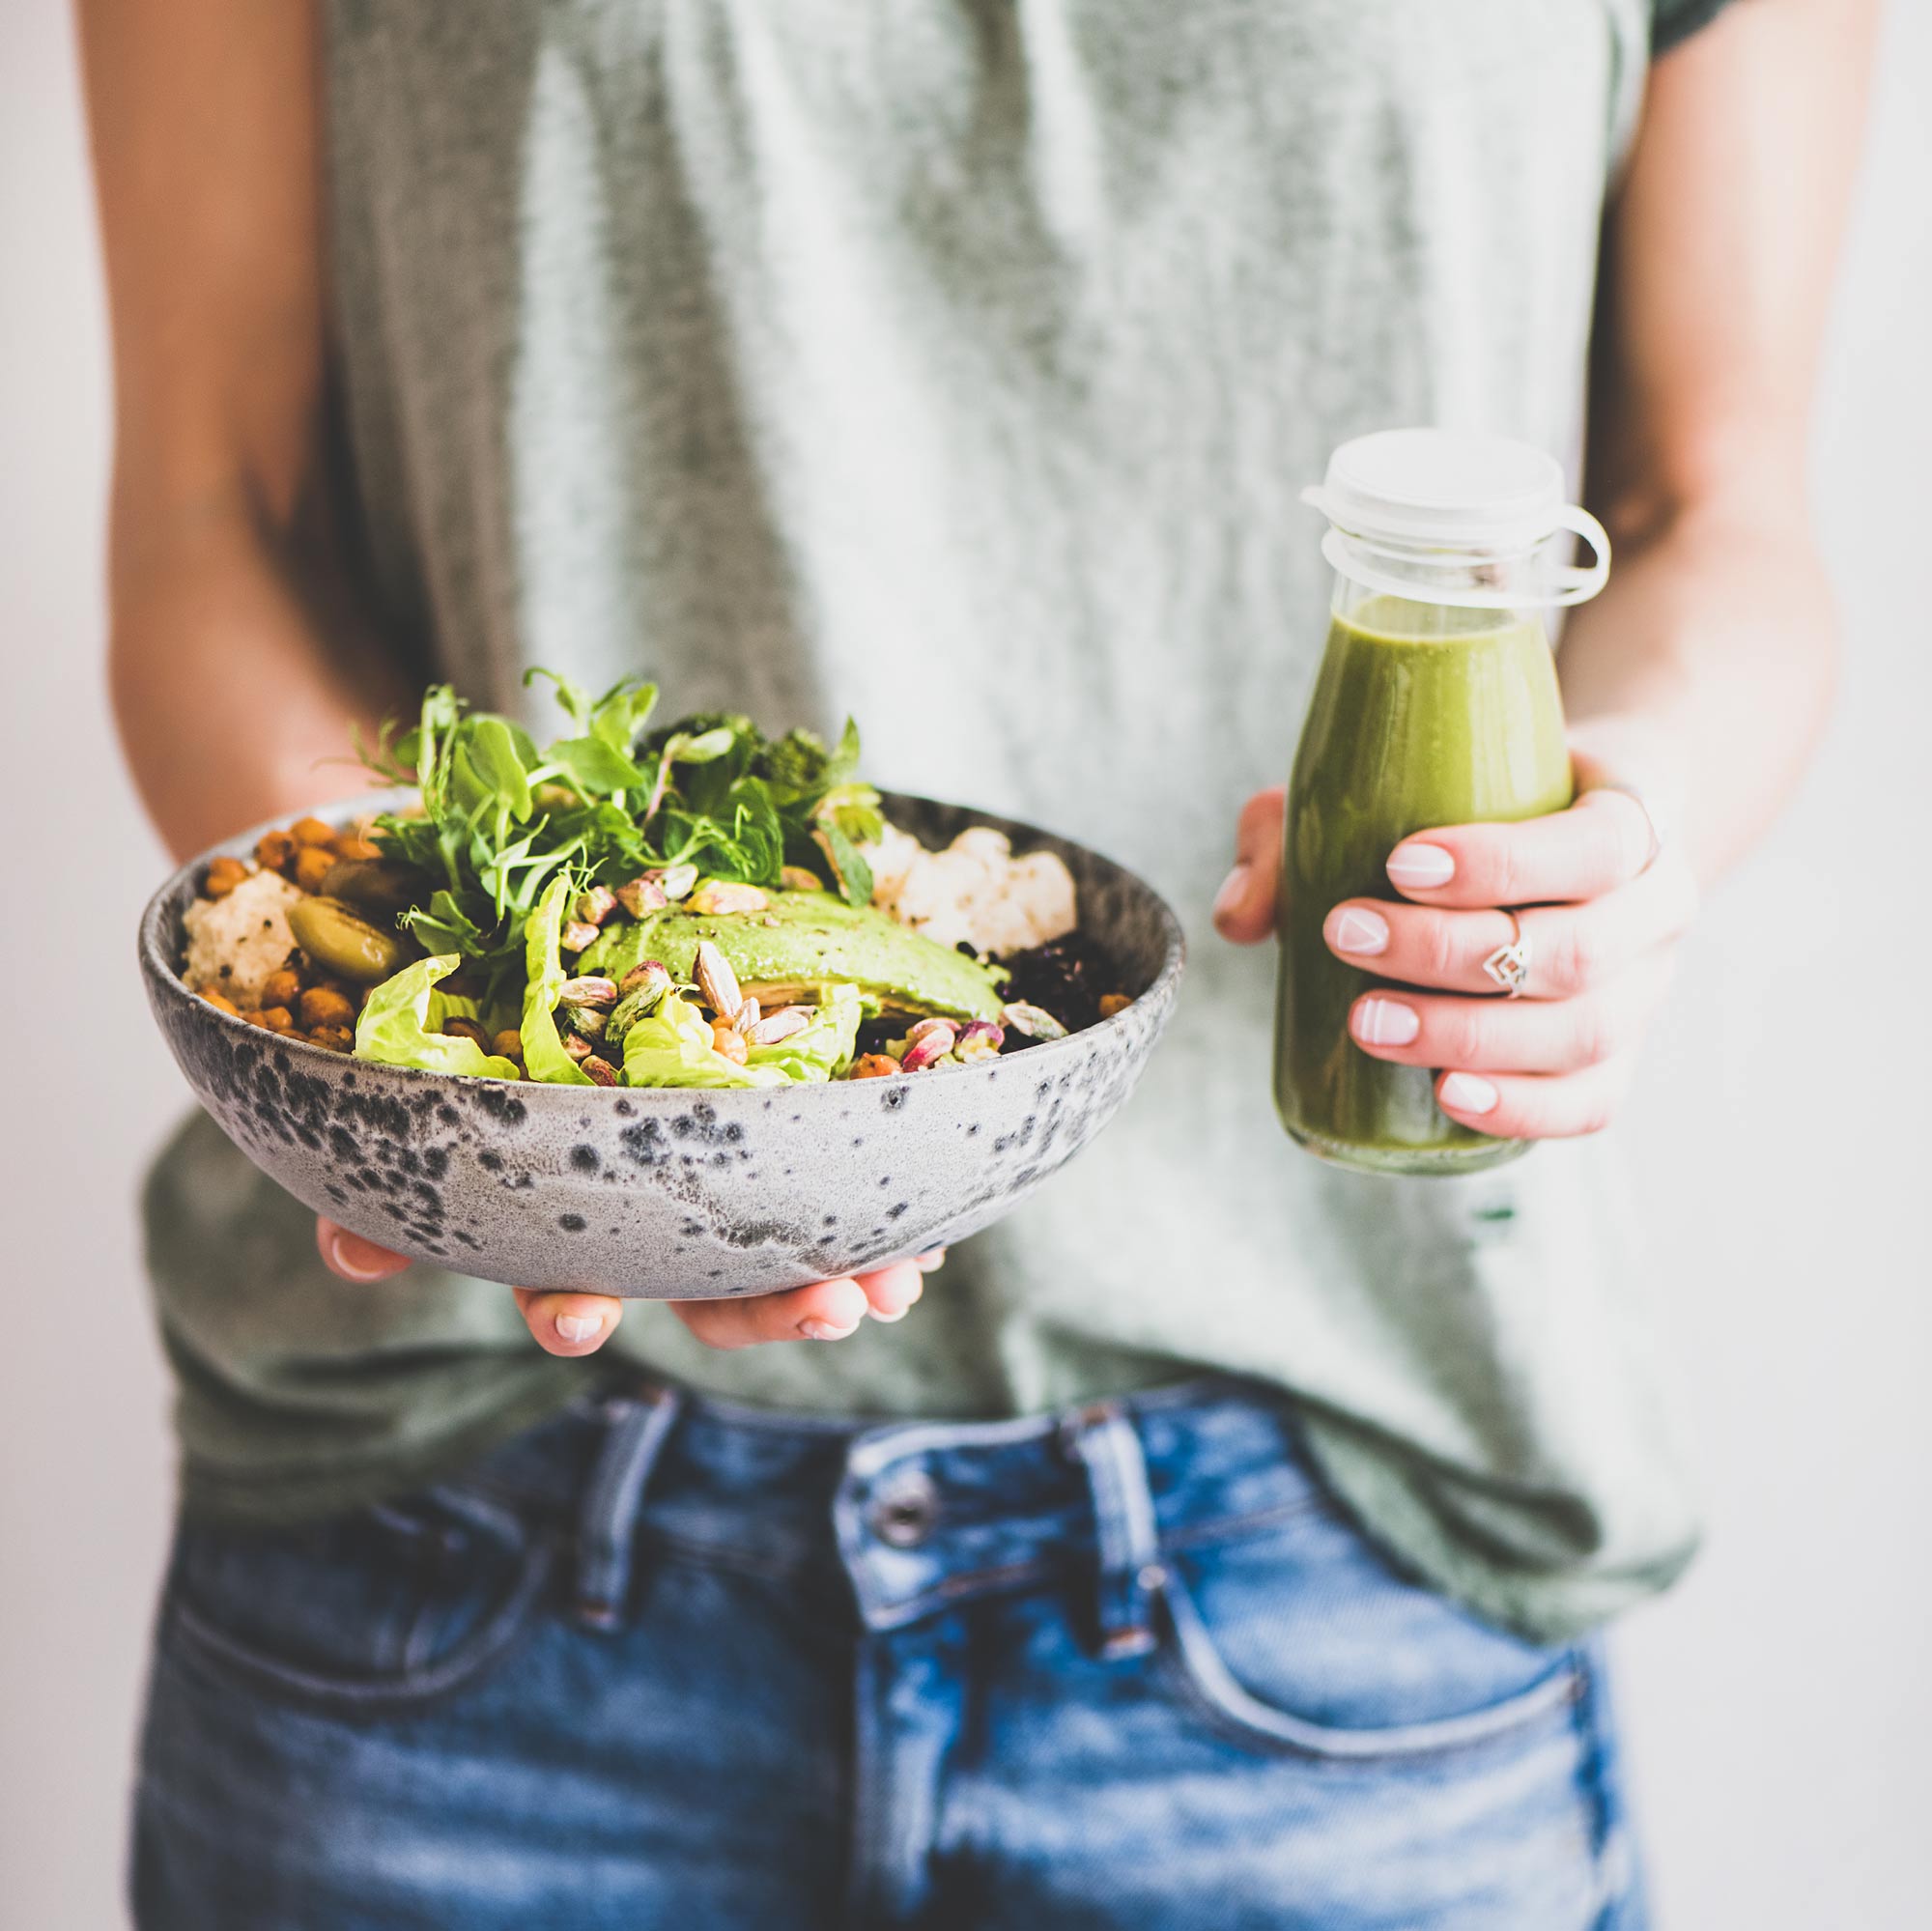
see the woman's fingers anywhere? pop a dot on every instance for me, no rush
(1512, 1035)
(1245, 905)
(1524, 1106)
(353, 1258)
(1573, 947)
(569, 1323)
(1603, 841)
(573, 1324)
(825, 1310)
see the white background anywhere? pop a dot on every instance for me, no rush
(1777, 1702)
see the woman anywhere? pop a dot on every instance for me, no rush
(1221, 1539)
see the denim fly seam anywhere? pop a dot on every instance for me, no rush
(613, 1500)
(887, 1510)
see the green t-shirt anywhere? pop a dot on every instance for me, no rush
(957, 365)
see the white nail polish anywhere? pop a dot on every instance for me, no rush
(1359, 931)
(1421, 867)
(575, 1327)
(346, 1267)
(823, 1331)
(1467, 1094)
(1386, 1022)
(879, 1314)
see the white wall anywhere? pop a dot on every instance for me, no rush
(1776, 1701)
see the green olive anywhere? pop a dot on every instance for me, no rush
(380, 886)
(341, 941)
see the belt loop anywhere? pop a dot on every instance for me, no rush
(1105, 1440)
(606, 1524)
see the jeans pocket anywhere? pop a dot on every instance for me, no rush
(376, 1611)
(1304, 1642)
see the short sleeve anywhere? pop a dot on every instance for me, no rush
(1674, 20)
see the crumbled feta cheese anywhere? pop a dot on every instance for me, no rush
(234, 943)
(974, 890)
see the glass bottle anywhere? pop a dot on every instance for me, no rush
(1436, 705)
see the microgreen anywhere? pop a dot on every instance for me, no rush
(501, 820)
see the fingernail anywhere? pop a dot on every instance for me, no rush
(1234, 891)
(1467, 1094)
(930, 1262)
(1386, 1022)
(578, 1326)
(345, 1264)
(1421, 866)
(911, 1300)
(1359, 931)
(815, 1329)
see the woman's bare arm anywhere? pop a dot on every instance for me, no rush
(236, 657)
(1701, 674)
(1712, 650)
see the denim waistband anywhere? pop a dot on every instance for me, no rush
(917, 1515)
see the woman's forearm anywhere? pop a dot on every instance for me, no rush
(1707, 667)
(233, 677)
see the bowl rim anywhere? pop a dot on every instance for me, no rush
(161, 972)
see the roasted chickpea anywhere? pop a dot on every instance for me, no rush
(337, 1038)
(312, 865)
(327, 1006)
(254, 1017)
(221, 1001)
(281, 988)
(873, 1065)
(348, 845)
(224, 875)
(730, 1042)
(275, 850)
(279, 1019)
(1112, 1003)
(508, 1045)
(312, 832)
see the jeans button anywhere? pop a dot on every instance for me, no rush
(905, 1514)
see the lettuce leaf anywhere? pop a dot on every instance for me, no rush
(399, 1025)
(822, 1050)
(672, 1047)
(544, 1057)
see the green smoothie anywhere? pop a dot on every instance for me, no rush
(1423, 715)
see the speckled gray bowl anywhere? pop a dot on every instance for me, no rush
(672, 1194)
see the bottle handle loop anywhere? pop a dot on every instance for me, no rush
(1423, 574)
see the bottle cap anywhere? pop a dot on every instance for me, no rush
(1454, 497)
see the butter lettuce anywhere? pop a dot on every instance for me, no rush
(672, 1047)
(822, 1050)
(400, 1025)
(544, 1057)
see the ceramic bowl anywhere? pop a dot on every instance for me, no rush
(664, 1193)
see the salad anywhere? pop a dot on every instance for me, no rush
(692, 905)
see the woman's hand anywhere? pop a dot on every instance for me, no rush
(581, 1324)
(1605, 906)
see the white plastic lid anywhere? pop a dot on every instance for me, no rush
(1402, 492)
(1444, 486)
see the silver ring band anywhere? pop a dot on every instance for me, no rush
(1509, 964)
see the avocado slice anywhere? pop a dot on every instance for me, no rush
(802, 940)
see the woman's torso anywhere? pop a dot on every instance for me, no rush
(957, 365)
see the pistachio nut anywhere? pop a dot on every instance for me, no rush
(727, 895)
(716, 980)
(641, 896)
(780, 1025)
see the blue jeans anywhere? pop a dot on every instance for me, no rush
(664, 1663)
